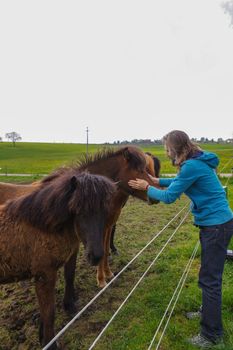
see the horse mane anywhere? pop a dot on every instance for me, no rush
(55, 174)
(53, 208)
(132, 154)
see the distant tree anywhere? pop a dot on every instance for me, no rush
(228, 8)
(202, 139)
(13, 136)
(0, 139)
(125, 142)
(220, 140)
(158, 142)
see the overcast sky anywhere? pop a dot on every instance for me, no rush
(126, 69)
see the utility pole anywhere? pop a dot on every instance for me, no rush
(87, 131)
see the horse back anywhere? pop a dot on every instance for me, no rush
(11, 191)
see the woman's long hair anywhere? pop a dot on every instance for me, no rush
(180, 146)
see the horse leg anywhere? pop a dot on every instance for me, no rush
(45, 290)
(69, 274)
(101, 281)
(112, 246)
(107, 271)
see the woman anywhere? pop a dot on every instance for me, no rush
(198, 180)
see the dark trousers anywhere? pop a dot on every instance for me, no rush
(214, 241)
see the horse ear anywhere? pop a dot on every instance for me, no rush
(73, 183)
(127, 154)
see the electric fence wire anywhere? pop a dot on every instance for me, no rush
(228, 179)
(63, 330)
(182, 281)
(177, 294)
(139, 281)
(224, 167)
(230, 175)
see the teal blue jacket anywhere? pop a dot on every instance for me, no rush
(198, 180)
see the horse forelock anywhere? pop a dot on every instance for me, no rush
(135, 157)
(93, 195)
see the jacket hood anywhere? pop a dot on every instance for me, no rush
(209, 158)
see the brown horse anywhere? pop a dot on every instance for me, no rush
(11, 191)
(40, 231)
(120, 166)
(153, 168)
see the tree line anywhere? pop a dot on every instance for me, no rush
(160, 142)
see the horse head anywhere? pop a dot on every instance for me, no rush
(69, 204)
(90, 205)
(134, 165)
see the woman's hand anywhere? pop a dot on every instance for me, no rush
(155, 180)
(138, 184)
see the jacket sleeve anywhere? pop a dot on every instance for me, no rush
(186, 177)
(165, 182)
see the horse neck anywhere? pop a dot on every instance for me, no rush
(109, 167)
(120, 198)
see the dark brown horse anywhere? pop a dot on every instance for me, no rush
(40, 231)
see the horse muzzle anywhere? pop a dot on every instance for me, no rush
(152, 201)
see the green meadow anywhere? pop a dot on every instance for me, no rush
(135, 325)
(42, 158)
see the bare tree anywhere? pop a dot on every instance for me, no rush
(228, 9)
(0, 139)
(13, 136)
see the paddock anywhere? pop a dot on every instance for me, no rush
(136, 324)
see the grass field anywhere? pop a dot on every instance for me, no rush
(42, 158)
(136, 323)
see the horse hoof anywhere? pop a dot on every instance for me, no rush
(101, 284)
(70, 308)
(109, 275)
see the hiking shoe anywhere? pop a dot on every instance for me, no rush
(193, 315)
(204, 343)
(201, 342)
